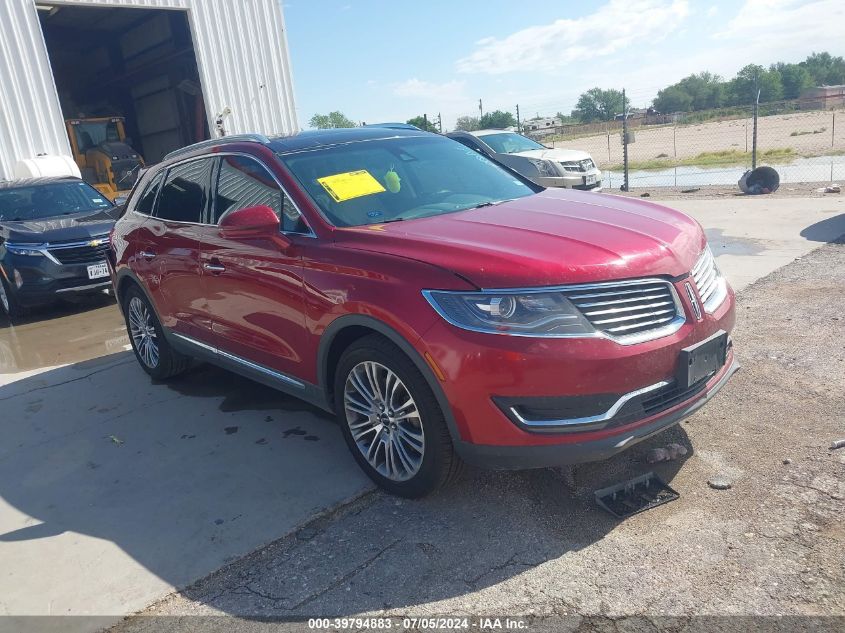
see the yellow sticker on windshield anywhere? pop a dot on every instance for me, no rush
(352, 184)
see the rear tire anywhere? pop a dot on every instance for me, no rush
(392, 421)
(153, 352)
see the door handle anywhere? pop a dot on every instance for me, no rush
(148, 255)
(214, 268)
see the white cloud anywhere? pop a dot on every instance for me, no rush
(612, 28)
(712, 11)
(449, 91)
(788, 24)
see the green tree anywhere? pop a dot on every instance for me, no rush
(825, 69)
(742, 88)
(331, 120)
(673, 99)
(497, 120)
(467, 123)
(422, 123)
(795, 78)
(598, 105)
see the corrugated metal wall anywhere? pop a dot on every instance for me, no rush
(242, 56)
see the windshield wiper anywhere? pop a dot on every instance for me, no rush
(491, 203)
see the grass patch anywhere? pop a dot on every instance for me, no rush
(709, 159)
(804, 132)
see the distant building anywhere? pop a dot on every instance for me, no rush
(541, 127)
(825, 96)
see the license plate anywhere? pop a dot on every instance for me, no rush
(97, 271)
(702, 360)
(590, 180)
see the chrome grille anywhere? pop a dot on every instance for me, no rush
(578, 165)
(709, 281)
(89, 252)
(643, 308)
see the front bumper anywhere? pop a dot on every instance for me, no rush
(572, 181)
(525, 457)
(45, 281)
(484, 373)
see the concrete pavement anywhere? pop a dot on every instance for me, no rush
(754, 235)
(126, 490)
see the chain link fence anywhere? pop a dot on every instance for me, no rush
(804, 140)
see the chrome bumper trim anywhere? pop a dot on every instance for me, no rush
(101, 284)
(592, 419)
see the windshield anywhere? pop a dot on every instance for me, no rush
(373, 182)
(91, 133)
(49, 200)
(510, 143)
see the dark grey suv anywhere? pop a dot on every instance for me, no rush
(53, 241)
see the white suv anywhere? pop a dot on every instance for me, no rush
(548, 167)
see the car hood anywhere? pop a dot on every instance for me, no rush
(63, 228)
(555, 237)
(556, 155)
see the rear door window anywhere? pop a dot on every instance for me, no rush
(148, 198)
(243, 182)
(186, 191)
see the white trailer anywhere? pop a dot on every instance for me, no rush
(178, 71)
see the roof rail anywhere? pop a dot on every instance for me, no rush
(223, 140)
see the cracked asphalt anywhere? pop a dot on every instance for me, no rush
(535, 543)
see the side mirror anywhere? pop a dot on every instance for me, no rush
(119, 201)
(257, 221)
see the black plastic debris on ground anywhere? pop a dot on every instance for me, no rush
(635, 495)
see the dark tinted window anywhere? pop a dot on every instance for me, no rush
(243, 182)
(50, 200)
(463, 140)
(185, 192)
(147, 199)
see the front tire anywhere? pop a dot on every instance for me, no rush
(392, 421)
(9, 304)
(153, 352)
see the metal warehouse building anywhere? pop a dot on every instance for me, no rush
(177, 71)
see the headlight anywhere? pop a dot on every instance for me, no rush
(516, 312)
(545, 167)
(33, 250)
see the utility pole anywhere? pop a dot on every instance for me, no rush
(518, 125)
(425, 122)
(439, 123)
(480, 110)
(625, 139)
(756, 110)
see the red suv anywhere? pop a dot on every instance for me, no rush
(444, 307)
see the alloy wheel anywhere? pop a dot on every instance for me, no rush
(384, 421)
(143, 332)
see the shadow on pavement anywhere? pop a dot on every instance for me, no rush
(385, 552)
(827, 230)
(126, 488)
(123, 488)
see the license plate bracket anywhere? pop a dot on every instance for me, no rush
(98, 271)
(590, 179)
(702, 360)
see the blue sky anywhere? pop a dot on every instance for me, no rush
(388, 61)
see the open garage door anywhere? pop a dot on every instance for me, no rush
(138, 65)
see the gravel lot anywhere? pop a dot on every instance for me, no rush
(715, 192)
(807, 133)
(535, 544)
